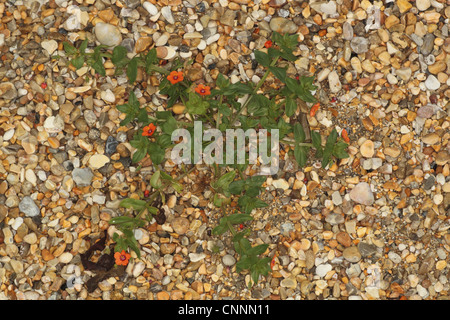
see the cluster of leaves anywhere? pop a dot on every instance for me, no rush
(249, 256)
(95, 59)
(145, 212)
(240, 105)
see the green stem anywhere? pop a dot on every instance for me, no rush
(292, 143)
(159, 69)
(218, 113)
(260, 83)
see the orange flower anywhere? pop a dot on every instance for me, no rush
(314, 109)
(148, 130)
(122, 258)
(268, 44)
(175, 76)
(344, 135)
(203, 90)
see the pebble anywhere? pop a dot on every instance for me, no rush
(29, 207)
(283, 25)
(107, 34)
(82, 176)
(362, 194)
(351, 254)
(323, 269)
(432, 83)
(228, 260)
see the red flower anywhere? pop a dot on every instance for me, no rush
(203, 90)
(268, 44)
(314, 109)
(146, 193)
(344, 135)
(43, 85)
(175, 76)
(148, 130)
(122, 258)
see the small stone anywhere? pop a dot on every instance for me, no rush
(151, 8)
(228, 260)
(423, 5)
(283, 25)
(50, 46)
(367, 149)
(29, 207)
(362, 194)
(344, 239)
(359, 45)
(167, 14)
(431, 138)
(180, 225)
(107, 34)
(323, 269)
(8, 91)
(30, 238)
(334, 218)
(432, 83)
(66, 257)
(82, 177)
(334, 82)
(97, 161)
(404, 5)
(351, 254)
(280, 184)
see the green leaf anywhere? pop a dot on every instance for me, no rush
(169, 126)
(242, 246)
(133, 203)
(127, 120)
(133, 101)
(222, 82)
(329, 148)
(280, 73)
(237, 187)
(121, 220)
(164, 141)
(243, 264)
(69, 48)
(220, 229)
(238, 218)
(300, 153)
(339, 150)
(98, 66)
(78, 62)
(196, 105)
(139, 155)
(156, 153)
(257, 250)
(132, 70)
(118, 54)
(258, 105)
(262, 58)
(317, 143)
(133, 244)
(150, 59)
(142, 116)
(273, 53)
(124, 108)
(155, 180)
(224, 181)
(247, 203)
(299, 133)
(83, 46)
(291, 107)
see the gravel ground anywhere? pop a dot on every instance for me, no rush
(373, 226)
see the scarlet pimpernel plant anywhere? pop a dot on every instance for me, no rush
(222, 105)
